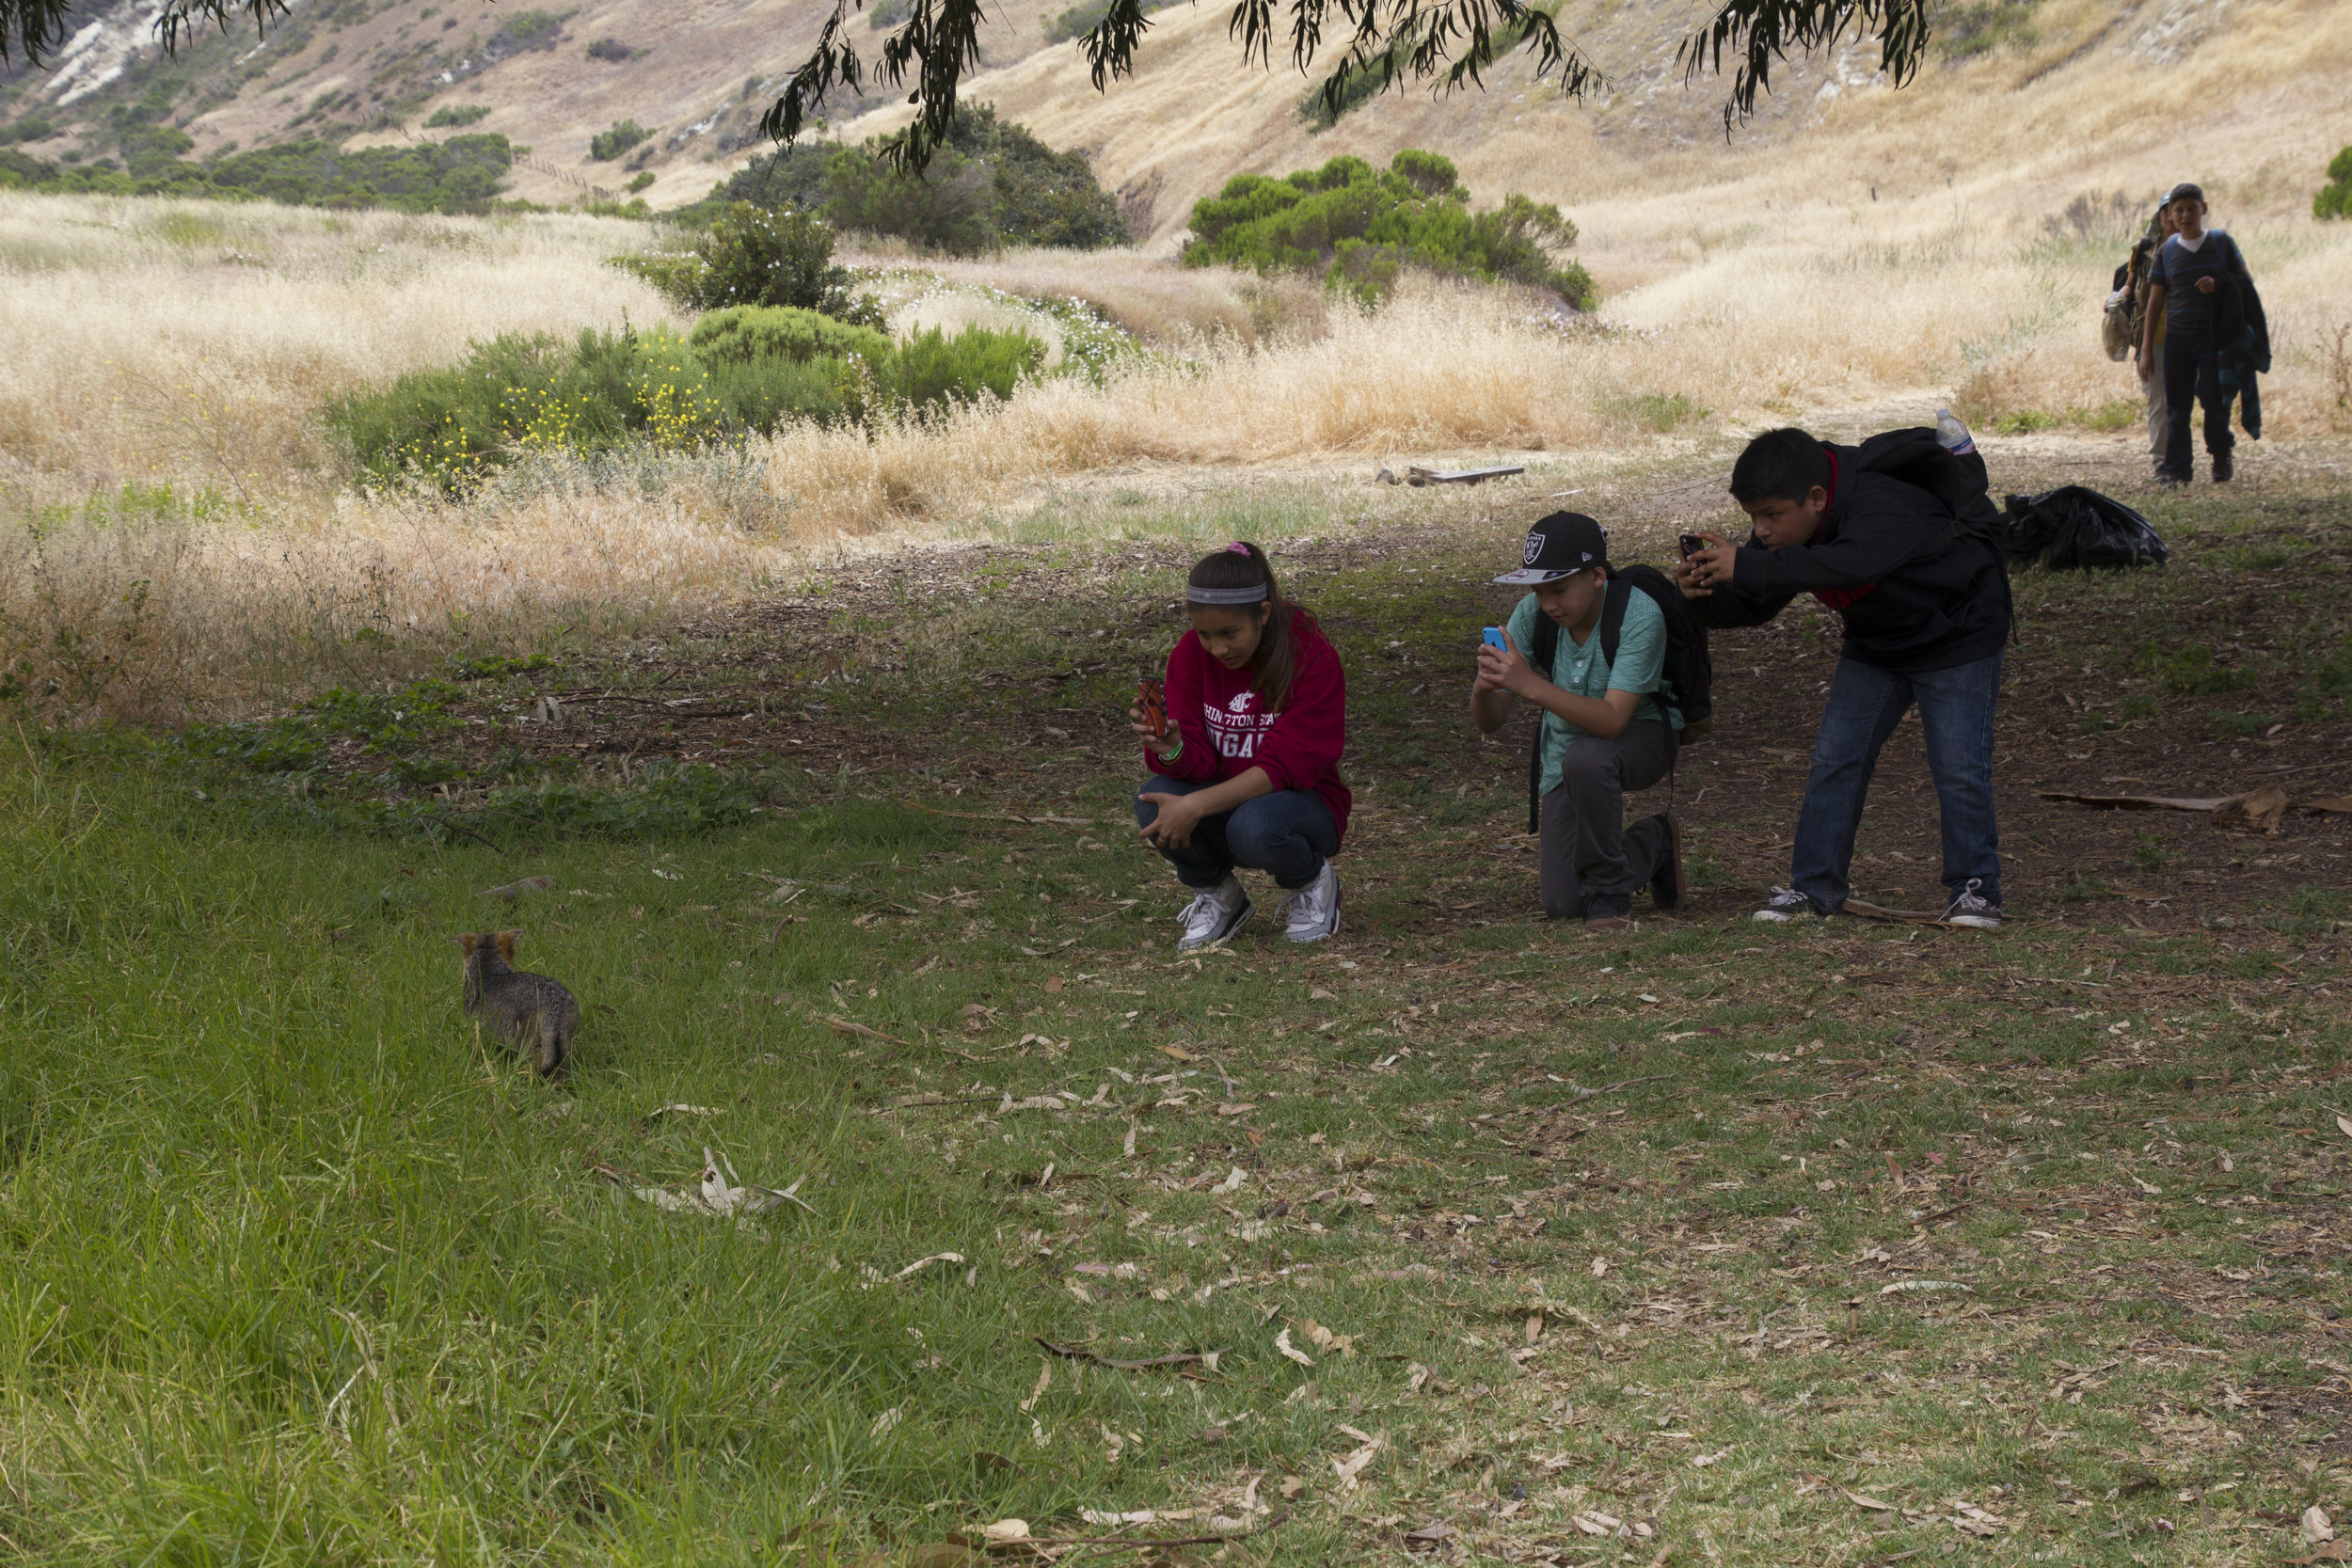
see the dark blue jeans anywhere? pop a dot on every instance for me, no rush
(1288, 832)
(1865, 705)
(2192, 370)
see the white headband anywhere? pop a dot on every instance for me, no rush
(1258, 595)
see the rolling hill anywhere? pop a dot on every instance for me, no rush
(2038, 100)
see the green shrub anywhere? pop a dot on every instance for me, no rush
(741, 333)
(610, 49)
(750, 257)
(644, 176)
(30, 128)
(932, 368)
(993, 184)
(605, 146)
(751, 372)
(515, 395)
(2334, 199)
(1360, 228)
(457, 115)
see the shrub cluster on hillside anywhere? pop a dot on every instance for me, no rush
(1368, 75)
(460, 175)
(993, 184)
(1360, 227)
(1086, 15)
(605, 146)
(2334, 199)
(743, 371)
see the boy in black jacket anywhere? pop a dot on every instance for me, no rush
(1925, 608)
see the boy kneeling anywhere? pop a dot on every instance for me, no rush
(1604, 732)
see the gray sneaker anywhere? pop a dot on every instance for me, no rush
(1785, 905)
(1313, 912)
(1215, 914)
(1973, 910)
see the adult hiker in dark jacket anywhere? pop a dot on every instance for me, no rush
(1926, 606)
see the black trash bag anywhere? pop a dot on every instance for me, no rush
(2072, 529)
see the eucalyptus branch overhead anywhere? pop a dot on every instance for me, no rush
(1452, 41)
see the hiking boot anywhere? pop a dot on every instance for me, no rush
(2170, 482)
(1607, 914)
(2222, 469)
(1216, 914)
(1666, 884)
(1313, 912)
(1973, 910)
(1785, 905)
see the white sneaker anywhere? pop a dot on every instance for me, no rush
(1215, 914)
(1313, 911)
(1973, 910)
(1785, 905)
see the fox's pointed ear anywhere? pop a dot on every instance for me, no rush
(506, 945)
(466, 943)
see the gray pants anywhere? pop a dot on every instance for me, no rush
(1588, 852)
(2159, 415)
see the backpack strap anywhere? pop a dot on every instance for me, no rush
(1540, 654)
(1613, 599)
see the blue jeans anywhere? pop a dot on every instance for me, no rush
(1865, 705)
(1288, 832)
(2192, 370)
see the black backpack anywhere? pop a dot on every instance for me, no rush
(1919, 460)
(1687, 673)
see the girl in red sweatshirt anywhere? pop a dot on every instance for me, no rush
(1250, 776)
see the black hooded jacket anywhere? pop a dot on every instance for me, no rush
(1916, 590)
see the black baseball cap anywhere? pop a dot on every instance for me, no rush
(1559, 546)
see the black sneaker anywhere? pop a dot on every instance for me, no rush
(2223, 470)
(1785, 905)
(1607, 914)
(1973, 910)
(1665, 884)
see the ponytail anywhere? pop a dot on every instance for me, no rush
(1241, 577)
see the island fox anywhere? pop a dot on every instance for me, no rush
(531, 1010)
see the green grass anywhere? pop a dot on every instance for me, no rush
(301, 1272)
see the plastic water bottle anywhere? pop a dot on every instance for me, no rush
(1952, 435)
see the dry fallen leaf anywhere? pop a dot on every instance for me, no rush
(1347, 1469)
(1600, 1267)
(1044, 1381)
(1005, 1530)
(858, 1031)
(1282, 1344)
(2318, 1526)
(1233, 1178)
(2344, 1125)
(1177, 1053)
(1871, 1503)
(886, 1420)
(1053, 982)
(1534, 1326)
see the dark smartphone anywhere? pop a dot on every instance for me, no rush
(1152, 697)
(1693, 543)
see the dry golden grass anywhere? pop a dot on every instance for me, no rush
(195, 340)
(193, 344)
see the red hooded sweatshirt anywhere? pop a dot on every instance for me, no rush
(1227, 732)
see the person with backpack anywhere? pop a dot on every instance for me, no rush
(2195, 273)
(1898, 536)
(1589, 649)
(1248, 773)
(2139, 335)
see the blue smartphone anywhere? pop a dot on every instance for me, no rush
(1494, 638)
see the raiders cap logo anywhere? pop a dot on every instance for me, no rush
(1535, 549)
